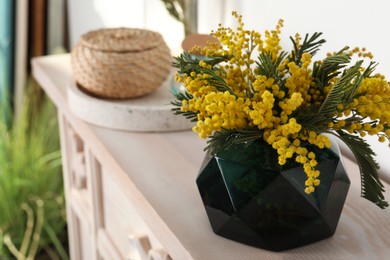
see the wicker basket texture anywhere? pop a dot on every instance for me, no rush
(120, 63)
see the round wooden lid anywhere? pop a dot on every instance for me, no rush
(197, 40)
(122, 40)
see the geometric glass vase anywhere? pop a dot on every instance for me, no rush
(250, 198)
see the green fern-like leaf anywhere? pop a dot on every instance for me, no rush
(311, 120)
(342, 89)
(187, 64)
(270, 68)
(345, 88)
(330, 68)
(217, 81)
(371, 187)
(179, 97)
(225, 138)
(310, 44)
(350, 94)
(316, 118)
(192, 116)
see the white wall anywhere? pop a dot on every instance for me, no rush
(87, 15)
(355, 23)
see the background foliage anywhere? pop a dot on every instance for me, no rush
(32, 208)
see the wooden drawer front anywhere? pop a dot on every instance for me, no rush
(125, 227)
(86, 241)
(76, 161)
(102, 222)
(79, 165)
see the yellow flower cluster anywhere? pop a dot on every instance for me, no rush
(217, 110)
(372, 105)
(300, 78)
(260, 112)
(245, 98)
(272, 41)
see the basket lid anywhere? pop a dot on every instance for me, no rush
(122, 40)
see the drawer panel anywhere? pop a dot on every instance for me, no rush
(124, 226)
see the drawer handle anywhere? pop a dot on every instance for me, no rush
(158, 254)
(79, 174)
(141, 249)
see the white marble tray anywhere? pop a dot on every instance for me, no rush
(150, 113)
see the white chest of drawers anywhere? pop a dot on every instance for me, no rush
(133, 195)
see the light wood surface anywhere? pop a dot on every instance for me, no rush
(156, 172)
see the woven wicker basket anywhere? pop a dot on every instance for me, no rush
(120, 63)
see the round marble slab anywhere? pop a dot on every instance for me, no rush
(150, 113)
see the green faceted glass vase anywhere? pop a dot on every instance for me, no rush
(250, 198)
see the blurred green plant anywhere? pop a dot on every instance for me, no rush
(32, 207)
(184, 11)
